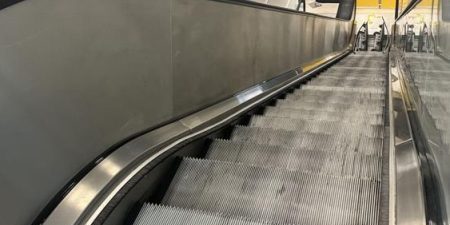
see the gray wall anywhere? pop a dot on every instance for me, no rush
(78, 76)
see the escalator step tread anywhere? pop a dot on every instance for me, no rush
(341, 68)
(350, 116)
(329, 109)
(327, 93)
(295, 98)
(314, 158)
(335, 163)
(344, 89)
(308, 140)
(350, 78)
(351, 129)
(152, 214)
(330, 106)
(346, 83)
(275, 195)
(368, 75)
(364, 62)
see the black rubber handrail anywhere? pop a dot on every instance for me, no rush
(408, 8)
(7, 3)
(276, 8)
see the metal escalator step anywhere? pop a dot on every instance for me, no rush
(325, 93)
(368, 75)
(368, 57)
(327, 106)
(329, 109)
(438, 112)
(307, 140)
(442, 123)
(445, 138)
(333, 76)
(366, 60)
(436, 76)
(363, 117)
(434, 66)
(363, 104)
(345, 89)
(433, 93)
(318, 161)
(355, 69)
(362, 63)
(152, 214)
(374, 55)
(436, 86)
(367, 54)
(351, 129)
(423, 82)
(346, 83)
(335, 99)
(275, 195)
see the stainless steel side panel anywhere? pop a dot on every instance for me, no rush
(407, 192)
(77, 77)
(410, 208)
(428, 70)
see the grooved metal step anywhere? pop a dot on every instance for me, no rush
(329, 106)
(152, 214)
(435, 75)
(274, 195)
(366, 75)
(375, 118)
(317, 161)
(426, 66)
(331, 76)
(371, 63)
(344, 89)
(350, 69)
(351, 129)
(314, 158)
(346, 83)
(308, 140)
(362, 63)
(340, 94)
(435, 86)
(336, 99)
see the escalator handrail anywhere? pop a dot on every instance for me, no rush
(278, 8)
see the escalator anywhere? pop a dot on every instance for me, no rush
(428, 83)
(314, 157)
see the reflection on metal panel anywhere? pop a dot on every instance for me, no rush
(424, 36)
(289, 4)
(409, 200)
(77, 77)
